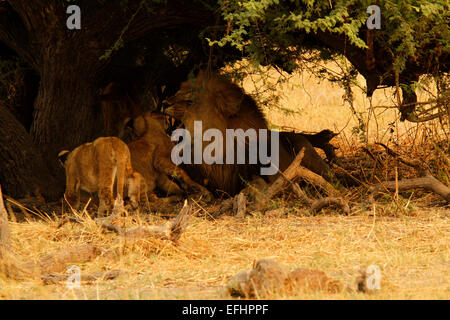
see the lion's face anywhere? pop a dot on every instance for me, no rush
(180, 102)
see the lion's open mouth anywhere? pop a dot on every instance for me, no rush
(176, 111)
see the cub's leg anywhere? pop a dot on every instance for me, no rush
(107, 175)
(136, 187)
(72, 193)
(123, 170)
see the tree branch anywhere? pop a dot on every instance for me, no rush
(428, 182)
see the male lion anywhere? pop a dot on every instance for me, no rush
(221, 104)
(151, 156)
(95, 167)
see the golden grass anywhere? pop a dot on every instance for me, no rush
(412, 252)
(311, 105)
(411, 246)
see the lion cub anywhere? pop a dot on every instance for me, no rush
(150, 155)
(95, 167)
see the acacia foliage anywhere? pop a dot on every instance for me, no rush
(271, 30)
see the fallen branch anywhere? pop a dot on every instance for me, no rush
(280, 183)
(181, 222)
(428, 182)
(411, 163)
(316, 180)
(300, 193)
(328, 201)
(269, 278)
(296, 170)
(168, 231)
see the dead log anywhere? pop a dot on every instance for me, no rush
(167, 231)
(316, 180)
(300, 193)
(179, 225)
(171, 230)
(295, 170)
(428, 182)
(280, 183)
(409, 162)
(329, 201)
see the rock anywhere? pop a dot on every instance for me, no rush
(308, 279)
(268, 278)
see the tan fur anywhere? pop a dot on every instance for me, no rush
(95, 167)
(151, 156)
(223, 105)
(137, 189)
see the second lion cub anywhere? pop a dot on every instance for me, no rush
(95, 167)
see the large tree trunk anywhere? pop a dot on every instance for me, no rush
(64, 113)
(22, 169)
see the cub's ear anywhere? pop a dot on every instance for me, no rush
(62, 157)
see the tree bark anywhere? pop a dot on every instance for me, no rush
(22, 91)
(64, 112)
(22, 169)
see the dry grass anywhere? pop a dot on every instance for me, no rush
(412, 252)
(411, 246)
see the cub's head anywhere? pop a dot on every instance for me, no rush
(148, 121)
(62, 157)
